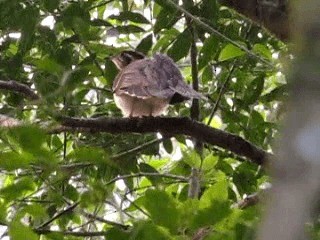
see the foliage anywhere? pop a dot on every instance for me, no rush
(68, 184)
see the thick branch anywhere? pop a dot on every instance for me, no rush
(273, 15)
(19, 88)
(172, 126)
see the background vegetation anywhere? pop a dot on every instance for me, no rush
(64, 182)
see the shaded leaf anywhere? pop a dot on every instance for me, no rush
(129, 29)
(145, 45)
(208, 51)
(130, 16)
(180, 47)
(167, 144)
(166, 19)
(254, 90)
(30, 138)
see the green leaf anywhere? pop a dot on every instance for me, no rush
(244, 177)
(50, 5)
(167, 144)
(71, 193)
(47, 84)
(263, 50)
(18, 189)
(74, 11)
(162, 209)
(12, 160)
(117, 234)
(192, 158)
(145, 45)
(18, 231)
(217, 192)
(3, 213)
(277, 94)
(149, 169)
(74, 78)
(207, 74)
(167, 37)
(230, 51)
(111, 71)
(209, 162)
(29, 137)
(35, 212)
(254, 90)
(88, 154)
(148, 231)
(208, 51)
(130, 16)
(180, 47)
(49, 65)
(165, 19)
(212, 214)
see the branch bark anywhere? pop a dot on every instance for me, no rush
(172, 126)
(273, 15)
(14, 86)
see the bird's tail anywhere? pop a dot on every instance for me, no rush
(184, 92)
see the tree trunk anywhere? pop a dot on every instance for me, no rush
(297, 170)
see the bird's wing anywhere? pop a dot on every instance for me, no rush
(140, 80)
(168, 71)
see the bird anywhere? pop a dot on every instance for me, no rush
(146, 86)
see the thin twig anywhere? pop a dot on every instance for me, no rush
(194, 180)
(222, 91)
(146, 174)
(71, 233)
(59, 214)
(138, 148)
(208, 28)
(103, 220)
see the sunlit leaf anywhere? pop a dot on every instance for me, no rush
(230, 51)
(162, 209)
(18, 231)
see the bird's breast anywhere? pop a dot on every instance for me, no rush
(132, 106)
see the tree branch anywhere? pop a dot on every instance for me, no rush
(69, 209)
(103, 220)
(172, 126)
(145, 174)
(73, 233)
(19, 88)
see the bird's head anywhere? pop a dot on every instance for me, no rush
(125, 58)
